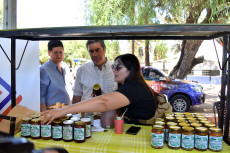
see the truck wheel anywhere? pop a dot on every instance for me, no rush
(180, 103)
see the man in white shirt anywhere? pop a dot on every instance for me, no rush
(96, 71)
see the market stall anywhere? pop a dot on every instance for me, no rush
(142, 32)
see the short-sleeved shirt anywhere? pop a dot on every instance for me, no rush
(88, 74)
(142, 105)
(54, 85)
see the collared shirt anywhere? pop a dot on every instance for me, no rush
(88, 74)
(54, 85)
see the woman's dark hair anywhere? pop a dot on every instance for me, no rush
(132, 63)
(54, 43)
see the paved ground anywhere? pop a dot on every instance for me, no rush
(211, 92)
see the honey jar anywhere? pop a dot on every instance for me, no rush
(174, 138)
(215, 139)
(57, 129)
(79, 132)
(201, 138)
(35, 130)
(87, 126)
(168, 124)
(25, 127)
(157, 137)
(68, 130)
(187, 138)
(46, 132)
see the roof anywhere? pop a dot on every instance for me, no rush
(141, 32)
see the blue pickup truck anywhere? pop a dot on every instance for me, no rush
(180, 93)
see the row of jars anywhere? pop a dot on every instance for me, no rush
(60, 129)
(188, 131)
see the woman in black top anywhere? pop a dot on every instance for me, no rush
(132, 94)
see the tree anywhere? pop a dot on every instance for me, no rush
(192, 12)
(160, 51)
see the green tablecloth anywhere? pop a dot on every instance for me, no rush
(110, 142)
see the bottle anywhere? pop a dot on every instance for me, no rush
(201, 138)
(157, 137)
(107, 119)
(215, 139)
(97, 89)
(68, 130)
(187, 138)
(174, 138)
(57, 129)
(168, 124)
(25, 127)
(35, 130)
(79, 132)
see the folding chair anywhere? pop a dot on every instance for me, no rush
(12, 125)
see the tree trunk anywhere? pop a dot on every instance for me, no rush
(187, 59)
(133, 47)
(147, 53)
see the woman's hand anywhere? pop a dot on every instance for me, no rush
(50, 115)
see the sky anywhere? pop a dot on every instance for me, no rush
(50, 13)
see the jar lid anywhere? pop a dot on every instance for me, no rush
(202, 129)
(183, 124)
(158, 127)
(36, 120)
(174, 127)
(169, 118)
(159, 123)
(75, 118)
(86, 119)
(79, 123)
(68, 122)
(178, 113)
(159, 119)
(205, 121)
(34, 116)
(77, 115)
(209, 125)
(196, 124)
(27, 119)
(58, 121)
(68, 115)
(187, 113)
(171, 123)
(187, 128)
(215, 129)
(202, 118)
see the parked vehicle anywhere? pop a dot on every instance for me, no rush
(180, 93)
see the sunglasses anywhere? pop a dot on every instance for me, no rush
(117, 67)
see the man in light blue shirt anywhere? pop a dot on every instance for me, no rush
(55, 77)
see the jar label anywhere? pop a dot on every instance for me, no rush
(201, 142)
(25, 129)
(35, 131)
(46, 130)
(174, 140)
(187, 141)
(88, 130)
(67, 133)
(91, 116)
(157, 140)
(215, 143)
(57, 132)
(79, 133)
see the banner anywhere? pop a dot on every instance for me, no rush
(27, 76)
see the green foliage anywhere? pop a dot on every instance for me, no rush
(160, 51)
(1, 14)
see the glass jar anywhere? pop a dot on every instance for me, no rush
(68, 130)
(57, 129)
(157, 137)
(90, 115)
(187, 138)
(203, 122)
(87, 126)
(210, 125)
(79, 132)
(35, 130)
(215, 139)
(195, 125)
(97, 89)
(183, 124)
(46, 132)
(174, 138)
(159, 119)
(25, 127)
(167, 129)
(169, 119)
(201, 138)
